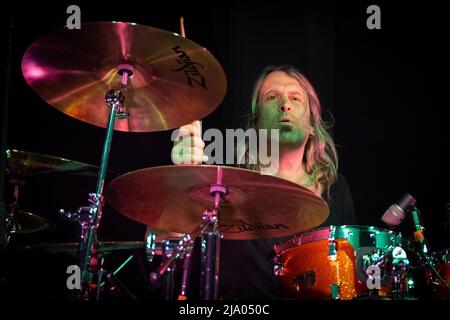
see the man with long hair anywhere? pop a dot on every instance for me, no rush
(282, 99)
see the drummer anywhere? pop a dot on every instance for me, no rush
(282, 99)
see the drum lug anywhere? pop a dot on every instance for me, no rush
(334, 291)
(332, 244)
(401, 284)
(278, 269)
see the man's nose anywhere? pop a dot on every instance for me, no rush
(285, 105)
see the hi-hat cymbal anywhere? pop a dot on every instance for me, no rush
(175, 80)
(27, 222)
(71, 248)
(24, 163)
(173, 198)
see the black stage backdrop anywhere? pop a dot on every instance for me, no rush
(387, 91)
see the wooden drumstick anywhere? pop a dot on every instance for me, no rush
(183, 34)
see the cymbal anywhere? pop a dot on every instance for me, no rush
(24, 163)
(175, 80)
(71, 248)
(173, 198)
(27, 222)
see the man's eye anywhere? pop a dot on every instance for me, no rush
(270, 98)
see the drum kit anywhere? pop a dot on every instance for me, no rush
(135, 78)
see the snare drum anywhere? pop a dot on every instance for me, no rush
(332, 262)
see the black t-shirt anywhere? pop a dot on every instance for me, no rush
(246, 269)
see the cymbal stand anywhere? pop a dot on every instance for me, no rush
(422, 247)
(89, 217)
(185, 274)
(12, 225)
(210, 253)
(113, 285)
(168, 248)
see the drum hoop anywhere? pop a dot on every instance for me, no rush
(324, 234)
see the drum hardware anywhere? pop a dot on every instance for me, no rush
(431, 266)
(401, 284)
(441, 263)
(185, 274)
(332, 257)
(112, 283)
(334, 291)
(278, 269)
(89, 217)
(210, 245)
(165, 249)
(332, 244)
(168, 287)
(18, 221)
(151, 246)
(12, 225)
(106, 279)
(421, 246)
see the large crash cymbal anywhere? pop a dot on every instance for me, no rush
(173, 198)
(24, 163)
(175, 80)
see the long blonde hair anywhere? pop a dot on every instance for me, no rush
(320, 151)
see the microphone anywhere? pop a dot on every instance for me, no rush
(396, 213)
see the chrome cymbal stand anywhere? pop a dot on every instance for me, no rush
(12, 225)
(210, 253)
(89, 217)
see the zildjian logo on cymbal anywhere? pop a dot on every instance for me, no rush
(189, 68)
(243, 226)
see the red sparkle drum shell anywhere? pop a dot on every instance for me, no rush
(311, 269)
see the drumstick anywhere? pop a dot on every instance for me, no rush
(183, 34)
(197, 124)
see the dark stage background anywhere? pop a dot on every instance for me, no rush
(386, 89)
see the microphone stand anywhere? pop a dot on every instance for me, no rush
(423, 248)
(4, 225)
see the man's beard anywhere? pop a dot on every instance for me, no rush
(292, 137)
